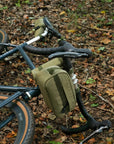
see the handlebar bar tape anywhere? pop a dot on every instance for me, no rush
(43, 51)
(69, 47)
(51, 29)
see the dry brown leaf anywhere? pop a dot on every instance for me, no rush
(82, 120)
(109, 140)
(63, 13)
(110, 92)
(91, 141)
(11, 134)
(71, 31)
(103, 106)
(4, 141)
(61, 139)
(106, 41)
(75, 126)
(51, 116)
(112, 98)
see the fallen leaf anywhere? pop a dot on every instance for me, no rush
(106, 41)
(25, 16)
(71, 31)
(4, 141)
(1, 6)
(103, 106)
(112, 98)
(103, 12)
(82, 120)
(110, 92)
(91, 141)
(80, 135)
(51, 116)
(61, 139)
(63, 13)
(21, 81)
(109, 140)
(75, 126)
(11, 134)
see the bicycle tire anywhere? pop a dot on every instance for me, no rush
(25, 120)
(3, 39)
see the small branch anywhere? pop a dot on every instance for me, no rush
(72, 139)
(95, 28)
(90, 44)
(99, 96)
(106, 110)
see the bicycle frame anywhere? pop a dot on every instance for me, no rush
(29, 92)
(25, 92)
(20, 91)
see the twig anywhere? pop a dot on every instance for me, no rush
(90, 44)
(72, 139)
(94, 45)
(95, 28)
(106, 110)
(99, 96)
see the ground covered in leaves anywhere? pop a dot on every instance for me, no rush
(84, 23)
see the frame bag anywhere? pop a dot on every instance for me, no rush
(57, 89)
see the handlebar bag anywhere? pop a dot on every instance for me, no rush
(57, 89)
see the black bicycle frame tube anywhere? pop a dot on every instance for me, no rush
(11, 98)
(32, 91)
(5, 122)
(25, 56)
(8, 53)
(15, 88)
(26, 93)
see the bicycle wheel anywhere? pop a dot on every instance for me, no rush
(3, 39)
(25, 121)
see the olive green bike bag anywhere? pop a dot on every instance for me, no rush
(57, 89)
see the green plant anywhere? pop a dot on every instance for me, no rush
(94, 105)
(26, 1)
(101, 49)
(28, 71)
(80, 115)
(90, 81)
(106, 0)
(54, 142)
(4, 8)
(49, 127)
(92, 98)
(18, 4)
(55, 131)
(73, 16)
(109, 23)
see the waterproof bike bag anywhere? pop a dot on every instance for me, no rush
(57, 88)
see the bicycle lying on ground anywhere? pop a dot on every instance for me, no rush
(56, 81)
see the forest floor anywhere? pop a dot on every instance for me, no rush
(85, 24)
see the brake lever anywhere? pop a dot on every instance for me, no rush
(51, 28)
(93, 133)
(67, 54)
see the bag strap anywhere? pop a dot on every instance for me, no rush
(53, 62)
